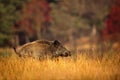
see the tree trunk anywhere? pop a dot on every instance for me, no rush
(17, 40)
(27, 38)
(38, 33)
(73, 43)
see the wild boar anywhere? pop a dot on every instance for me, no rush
(42, 49)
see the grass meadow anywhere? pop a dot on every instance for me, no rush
(83, 68)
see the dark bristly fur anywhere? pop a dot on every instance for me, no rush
(41, 49)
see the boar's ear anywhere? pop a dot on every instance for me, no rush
(56, 43)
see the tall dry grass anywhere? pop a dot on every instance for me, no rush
(83, 68)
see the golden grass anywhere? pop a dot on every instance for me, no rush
(84, 68)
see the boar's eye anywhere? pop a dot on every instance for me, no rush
(56, 43)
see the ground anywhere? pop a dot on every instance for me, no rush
(83, 68)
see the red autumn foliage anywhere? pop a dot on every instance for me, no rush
(33, 15)
(112, 29)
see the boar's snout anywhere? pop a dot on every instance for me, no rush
(66, 54)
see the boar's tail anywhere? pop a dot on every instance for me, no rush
(16, 51)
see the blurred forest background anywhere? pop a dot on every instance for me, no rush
(76, 23)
